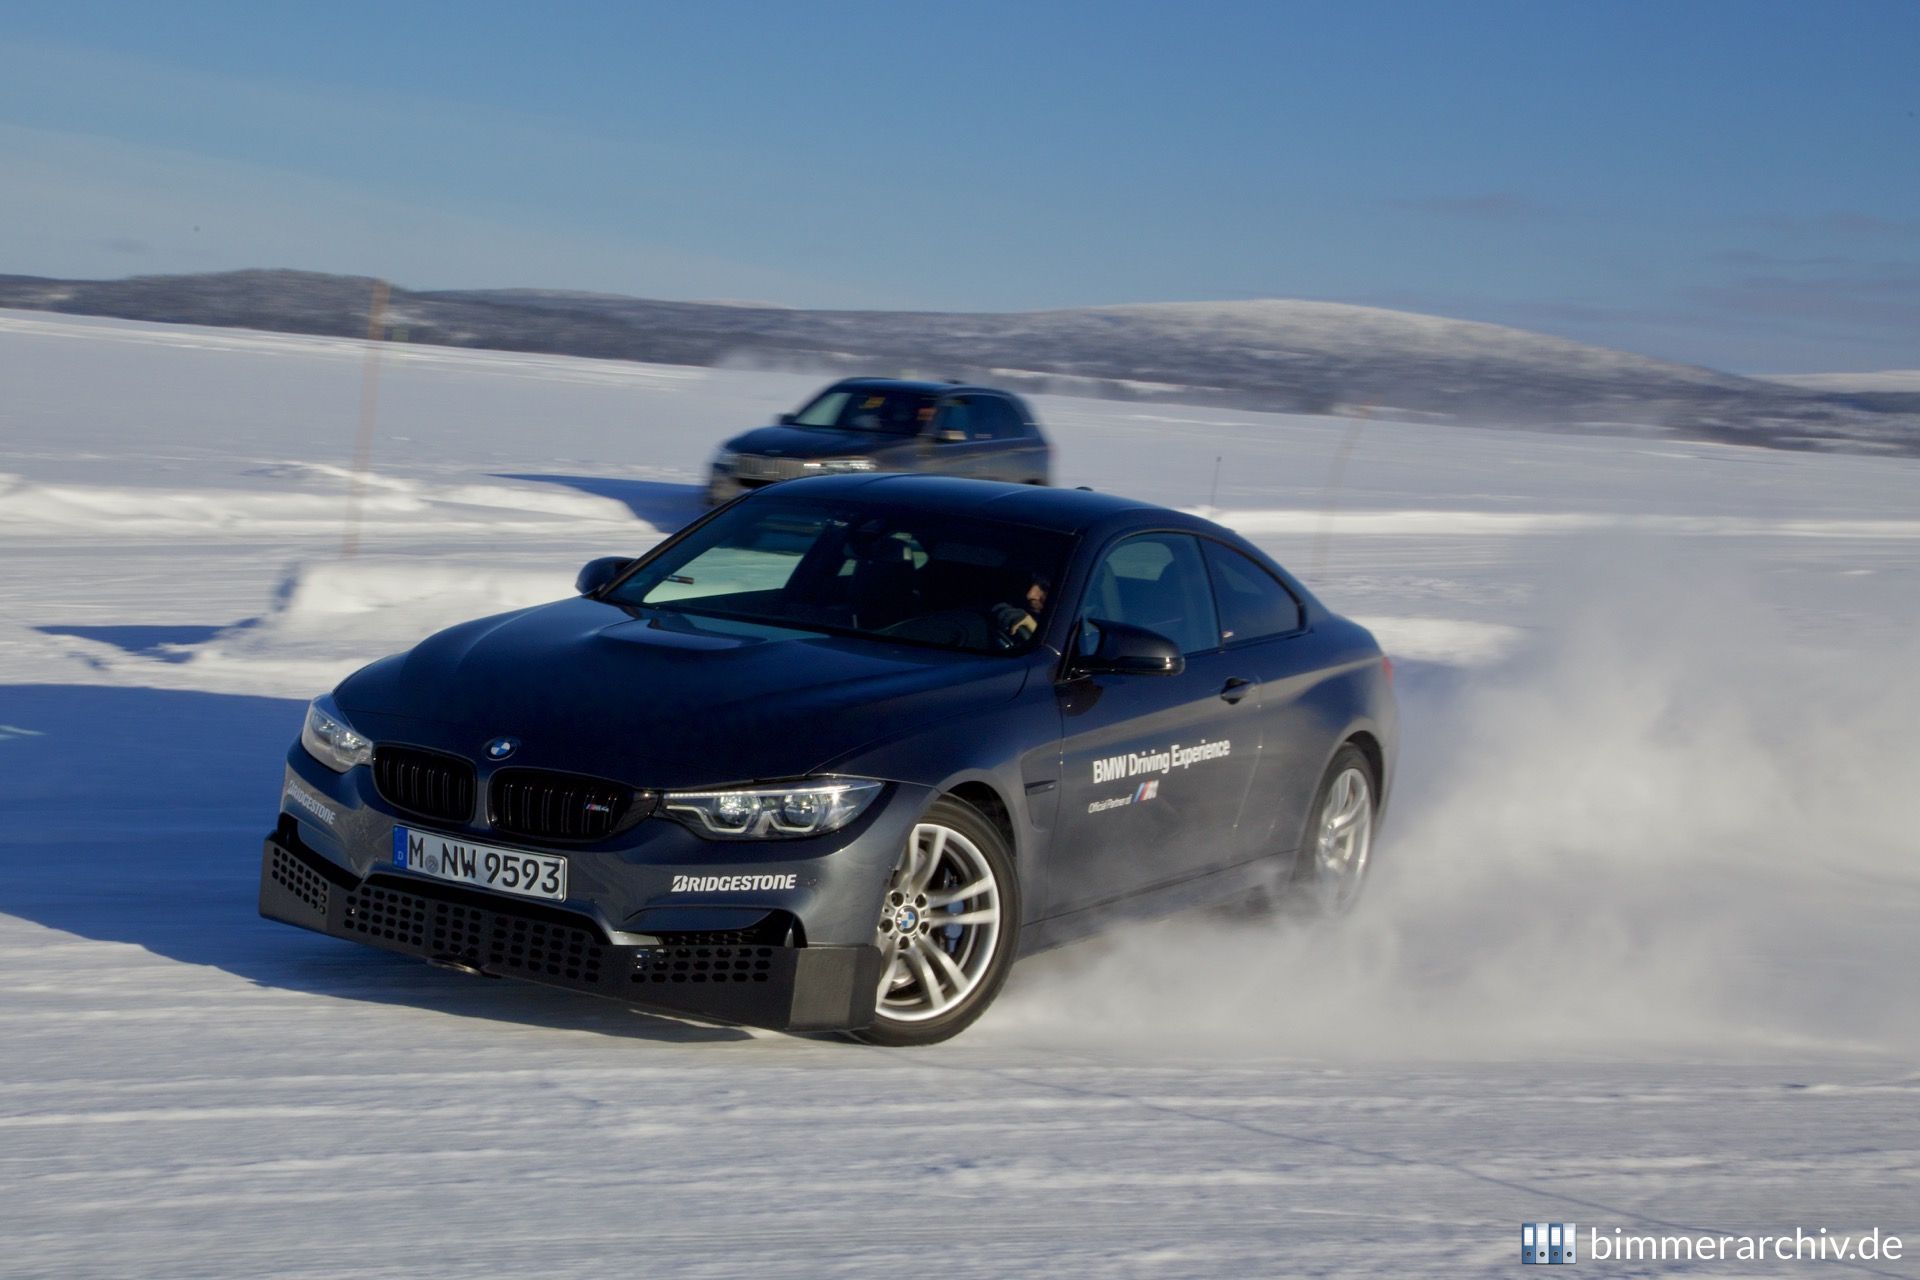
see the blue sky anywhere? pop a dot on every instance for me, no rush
(1735, 184)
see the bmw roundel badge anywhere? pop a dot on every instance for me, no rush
(501, 748)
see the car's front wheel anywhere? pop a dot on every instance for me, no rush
(948, 929)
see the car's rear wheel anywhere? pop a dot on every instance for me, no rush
(948, 928)
(1339, 853)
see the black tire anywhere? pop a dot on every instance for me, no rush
(1324, 886)
(915, 1025)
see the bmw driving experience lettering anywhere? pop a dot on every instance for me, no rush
(1133, 764)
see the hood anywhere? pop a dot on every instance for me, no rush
(817, 442)
(594, 688)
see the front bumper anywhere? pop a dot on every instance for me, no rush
(759, 976)
(725, 485)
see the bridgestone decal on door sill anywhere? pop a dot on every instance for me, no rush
(732, 884)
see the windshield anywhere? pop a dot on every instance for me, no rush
(886, 410)
(846, 568)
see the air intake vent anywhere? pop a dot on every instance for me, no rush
(571, 807)
(499, 940)
(300, 880)
(426, 784)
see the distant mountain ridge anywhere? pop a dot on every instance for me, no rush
(1275, 355)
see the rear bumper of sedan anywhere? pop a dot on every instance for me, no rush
(760, 975)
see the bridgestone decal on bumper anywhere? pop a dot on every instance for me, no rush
(732, 884)
(310, 802)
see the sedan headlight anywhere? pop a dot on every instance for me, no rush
(826, 465)
(724, 460)
(329, 739)
(775, 812)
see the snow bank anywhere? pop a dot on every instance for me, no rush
(431, 593)
(322, 505)
(326, 619)
(331, 617)
(43, 510)
(1480, 524)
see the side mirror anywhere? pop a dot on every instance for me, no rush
(786, 419)
(1126, 650)
(596, 574)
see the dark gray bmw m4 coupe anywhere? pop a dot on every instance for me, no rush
(838, 753)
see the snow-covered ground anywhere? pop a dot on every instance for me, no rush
(1642, 953)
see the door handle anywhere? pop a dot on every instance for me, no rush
(1235, 689)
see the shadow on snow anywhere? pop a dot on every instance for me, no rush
(163, 643)
(136, 815)
(663, 505)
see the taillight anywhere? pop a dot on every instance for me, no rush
(1386, 667)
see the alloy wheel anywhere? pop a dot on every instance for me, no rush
(939, 925)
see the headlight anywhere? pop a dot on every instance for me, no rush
(839, 464)
(773, 813)
(329, 739)
(724, 460)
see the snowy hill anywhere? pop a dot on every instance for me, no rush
(1885, 380)
(1275, 356)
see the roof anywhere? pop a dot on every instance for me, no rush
(924, 386)
(1065, 510)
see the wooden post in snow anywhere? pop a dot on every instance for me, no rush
(369, 403)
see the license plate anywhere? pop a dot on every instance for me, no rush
(531, 875)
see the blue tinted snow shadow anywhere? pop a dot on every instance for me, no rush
(663, 505)
(137, 815)
(145, 642)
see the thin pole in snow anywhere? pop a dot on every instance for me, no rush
(1336, 476)
(1213, 494)
(369, 403)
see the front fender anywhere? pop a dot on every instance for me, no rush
(1013, 751)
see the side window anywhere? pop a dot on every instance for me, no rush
(1021, 418)
(1157, 581)
(964, 415)
(957, 415)
(1253, 603)
(1003, 420)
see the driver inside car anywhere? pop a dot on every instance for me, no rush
(1017, 622)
